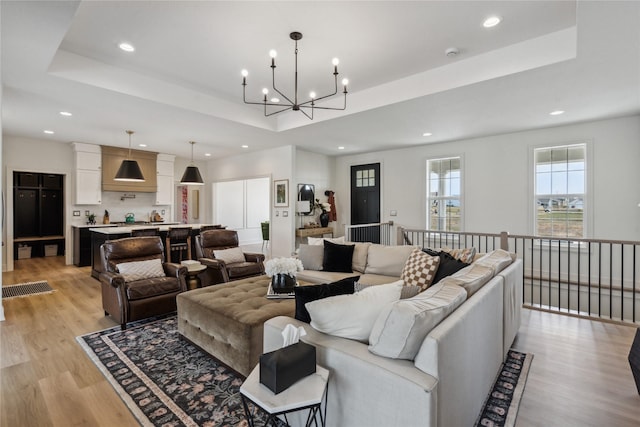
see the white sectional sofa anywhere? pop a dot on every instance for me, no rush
(451, 375)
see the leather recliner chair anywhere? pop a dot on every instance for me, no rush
(218, 271)
(138, 299)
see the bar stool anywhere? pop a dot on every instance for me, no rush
(152, 231)
(178, 241)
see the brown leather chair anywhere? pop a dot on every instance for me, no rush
(217, 270)
(178, 244)
(138, 299)
(139, 232)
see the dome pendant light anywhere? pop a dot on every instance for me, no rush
(129, 169)
(191, 174)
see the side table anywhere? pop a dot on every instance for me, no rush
(308, 393)
(193, 281)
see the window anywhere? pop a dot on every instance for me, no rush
(444, 181)
(560, 191)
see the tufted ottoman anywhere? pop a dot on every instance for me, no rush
(226, 320)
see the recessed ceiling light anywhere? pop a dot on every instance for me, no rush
(427, 134)
(491, 21)
(65, 113)
(142, 145)
(341, 148)
(126, 47)
(556, 113)
(245, 146)
(207, 154)
(49, 132)
(275, 100)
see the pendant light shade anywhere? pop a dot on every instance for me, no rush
(191, 174)
(129, 169)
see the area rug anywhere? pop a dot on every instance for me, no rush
(501, 406)
(26, 289)
(166, 381)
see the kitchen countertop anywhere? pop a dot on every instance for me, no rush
(118, 224)
(127, 229)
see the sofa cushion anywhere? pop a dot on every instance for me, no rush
(471, 278)
(387, 260)
(448, 266)
(353, 316)
(311, 256)
(337, 257)
(229, 256)
(497, 260)
(320, 240)
(244, 269)
(402, 326)
(305, 294)
(360, 252)
(138, 270)
(146, 288)
(463, 254)
(420, 269)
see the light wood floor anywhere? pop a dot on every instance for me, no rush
(580, 375)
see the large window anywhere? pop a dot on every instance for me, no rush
(444, 181)
(560, 191)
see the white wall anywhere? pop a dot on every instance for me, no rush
(497, 184)
(275, 163)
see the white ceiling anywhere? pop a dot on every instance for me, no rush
(183, 81)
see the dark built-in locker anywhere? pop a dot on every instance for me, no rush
(26, 206)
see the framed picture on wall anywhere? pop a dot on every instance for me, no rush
(281, 193)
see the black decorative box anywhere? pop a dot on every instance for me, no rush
(282, 368)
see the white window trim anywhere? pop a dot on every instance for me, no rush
(425, 183)
(588, 196)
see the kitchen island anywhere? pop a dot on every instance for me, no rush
(99, 235)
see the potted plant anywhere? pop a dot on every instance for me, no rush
(283, 273)
(91, 219)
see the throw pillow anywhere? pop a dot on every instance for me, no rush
(407, 291)
(320, 240)
(353, 316)
(229, 256)
(448, 266)
(311, 256)
(138, 270)
(305, 294)
(337, 258)
(463, 254)
(420, 269)
(401, 327)
(387, 260)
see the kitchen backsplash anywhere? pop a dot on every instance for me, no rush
(141, 206)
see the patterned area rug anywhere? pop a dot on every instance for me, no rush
(26, 289)
(501, 407)
(166, 381)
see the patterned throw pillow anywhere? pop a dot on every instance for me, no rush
(138, 270)
(420, 269)
(463, 254)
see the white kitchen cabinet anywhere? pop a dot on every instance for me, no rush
(88, 174)
(164, 179)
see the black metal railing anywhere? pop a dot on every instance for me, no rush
(593, 278)
(374, 232)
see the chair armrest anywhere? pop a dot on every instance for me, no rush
(218, 264)
(113, 279)
(253, 257)
(172, 269)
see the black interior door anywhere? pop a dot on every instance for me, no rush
(365, 201)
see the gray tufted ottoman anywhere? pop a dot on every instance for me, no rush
(227, 320)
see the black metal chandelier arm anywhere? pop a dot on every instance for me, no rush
(244, 98)
(273, 83)
(310, 117)
(275, 112)
(325, 96)
(313, 106)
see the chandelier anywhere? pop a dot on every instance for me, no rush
(295, 104)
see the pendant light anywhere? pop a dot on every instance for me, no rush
(129, 169)
(191, 174)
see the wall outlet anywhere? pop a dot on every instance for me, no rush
(393, 213)
(285, 213)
